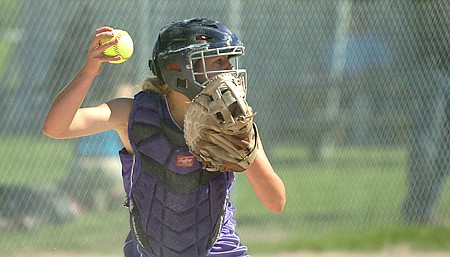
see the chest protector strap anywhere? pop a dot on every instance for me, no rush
(177, 209)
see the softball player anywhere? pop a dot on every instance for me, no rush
(176, 208)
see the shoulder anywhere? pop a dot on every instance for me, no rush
(120, 104)
(129, 101)
(120, 109)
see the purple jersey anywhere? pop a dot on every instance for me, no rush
(177, 209)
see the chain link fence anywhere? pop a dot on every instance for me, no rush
(352, 102)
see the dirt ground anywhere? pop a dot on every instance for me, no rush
(391, 252)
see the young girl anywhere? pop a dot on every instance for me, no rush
(176, 208)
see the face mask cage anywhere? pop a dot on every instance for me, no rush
(232, 51)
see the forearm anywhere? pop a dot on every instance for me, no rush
(66, 104)
(267, 185)
(63, 112)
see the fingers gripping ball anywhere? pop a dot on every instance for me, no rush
(123, 48)
(219, 128)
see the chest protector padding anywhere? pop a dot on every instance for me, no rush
(176, 207)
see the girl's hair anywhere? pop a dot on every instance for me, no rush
(153, 84)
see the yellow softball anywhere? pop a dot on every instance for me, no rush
(123, 48)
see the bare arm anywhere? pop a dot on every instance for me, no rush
(268, 186)
(65, 118)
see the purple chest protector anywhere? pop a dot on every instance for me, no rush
(177, 209)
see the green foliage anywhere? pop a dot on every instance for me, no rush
(9, 12)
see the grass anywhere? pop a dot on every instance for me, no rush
(349, 201)
(92, 232)
(34, 160)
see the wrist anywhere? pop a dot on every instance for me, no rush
(89, 71)
(87, 75)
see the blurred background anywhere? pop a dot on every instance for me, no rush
(352, 100)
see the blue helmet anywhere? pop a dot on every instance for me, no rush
(181, 44)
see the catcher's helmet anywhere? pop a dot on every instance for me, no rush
(181, 44)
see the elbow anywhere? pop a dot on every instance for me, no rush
(48, 133)
(278, 206)
(52, 133)
(280, 201)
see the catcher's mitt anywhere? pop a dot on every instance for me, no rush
(218, 126)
